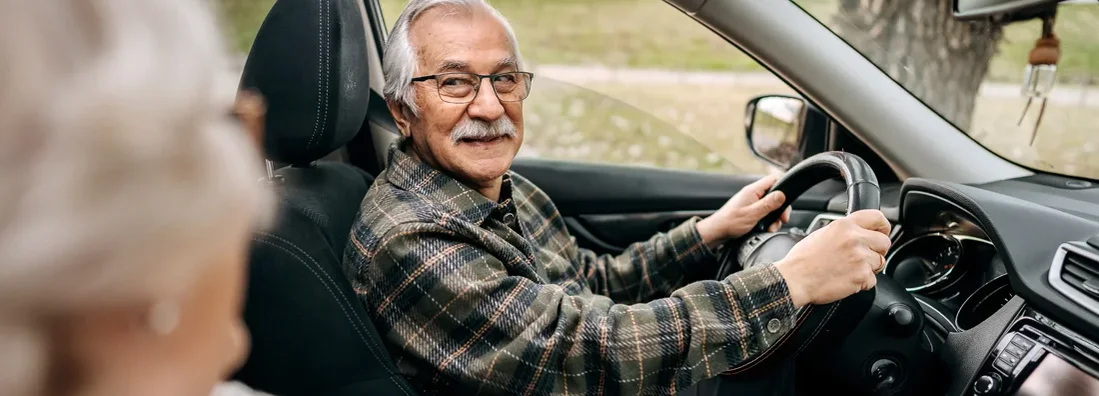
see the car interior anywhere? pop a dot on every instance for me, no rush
(984, 290)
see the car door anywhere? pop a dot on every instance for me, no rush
(629, 151)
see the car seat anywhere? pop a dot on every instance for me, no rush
(311, 334)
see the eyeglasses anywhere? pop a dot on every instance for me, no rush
(463, 87)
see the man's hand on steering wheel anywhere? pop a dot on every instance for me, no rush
(837, 260)
(830, 264)
(742, 212)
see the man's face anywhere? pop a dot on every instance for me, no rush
(476, 141)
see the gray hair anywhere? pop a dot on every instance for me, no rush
(399, 62)
(118, 162)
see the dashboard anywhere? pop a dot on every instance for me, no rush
(1010, 287)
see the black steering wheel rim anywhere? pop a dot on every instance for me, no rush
(814, 322)
(863, 191)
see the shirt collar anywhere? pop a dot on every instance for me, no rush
(414, 176)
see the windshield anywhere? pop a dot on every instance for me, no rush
(972, 74)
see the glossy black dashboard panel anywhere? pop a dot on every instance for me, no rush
(942, 252)
(985, 254)
(1027, 237)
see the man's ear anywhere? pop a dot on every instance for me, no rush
(400, 116)
(251, 110)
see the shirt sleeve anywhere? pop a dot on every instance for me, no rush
(451, 308)
(653, 268)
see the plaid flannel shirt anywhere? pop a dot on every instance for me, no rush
(475, 296)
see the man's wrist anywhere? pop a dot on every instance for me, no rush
(710, 233)
(798, 296)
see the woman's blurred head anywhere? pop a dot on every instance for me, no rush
(127, 197)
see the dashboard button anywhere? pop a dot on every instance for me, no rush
(1015, 350)
(1022, 342)
(1006, 363)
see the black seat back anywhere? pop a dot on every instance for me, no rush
(310, 332)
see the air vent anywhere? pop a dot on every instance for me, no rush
(1075, 274)
(1081, 273)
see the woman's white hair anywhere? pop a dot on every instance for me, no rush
(399, 62)
(119, 164)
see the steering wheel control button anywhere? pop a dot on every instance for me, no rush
(885, 373)
(987, 384)
(902, 320)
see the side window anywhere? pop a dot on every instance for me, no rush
(632, 82)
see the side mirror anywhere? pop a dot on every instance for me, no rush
(774, 125)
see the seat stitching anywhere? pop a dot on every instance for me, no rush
(300, 250)
(819, 328)
(351, 318)
(318, 276)
(370, 345)
(320, 64)
(400, 385)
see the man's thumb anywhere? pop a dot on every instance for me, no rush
(768, 203)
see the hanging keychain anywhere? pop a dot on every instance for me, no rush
(1041, 72)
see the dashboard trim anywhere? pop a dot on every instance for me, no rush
(1057, 267)
(965, 303)
(945, 277)
(951, 321)
(821, 218)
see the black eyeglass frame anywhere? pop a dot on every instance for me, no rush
(477, 87)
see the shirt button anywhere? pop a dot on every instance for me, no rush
(509, 218)
(774, 325)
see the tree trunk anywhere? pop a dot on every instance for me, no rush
(919, 43)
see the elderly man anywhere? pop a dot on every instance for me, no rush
(475, 283)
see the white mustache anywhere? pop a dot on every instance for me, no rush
(481, 130)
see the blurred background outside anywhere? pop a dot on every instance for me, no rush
(636, 82)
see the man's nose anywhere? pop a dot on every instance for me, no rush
(486, 105)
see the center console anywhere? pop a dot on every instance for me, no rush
(1037, 356)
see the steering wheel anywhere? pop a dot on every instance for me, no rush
(886, 354)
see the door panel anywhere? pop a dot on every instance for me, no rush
(607, 207)
(611, 233)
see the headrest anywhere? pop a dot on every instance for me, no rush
(309, 61)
